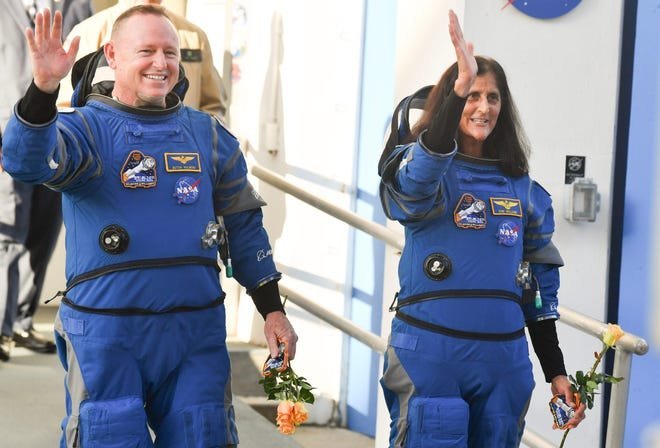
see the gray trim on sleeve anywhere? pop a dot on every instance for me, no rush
(549, 254)
(246, 199)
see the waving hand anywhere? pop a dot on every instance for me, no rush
(50, 61)
(467, 64)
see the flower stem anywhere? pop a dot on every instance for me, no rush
(597, 361)
(563, 439)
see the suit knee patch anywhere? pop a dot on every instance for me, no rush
(437, 422)
(203, 426)
(119, 422)
(499, 430)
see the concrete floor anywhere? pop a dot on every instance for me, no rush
(31, 403)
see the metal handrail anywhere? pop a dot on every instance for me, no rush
(377, 231)
(368, 338)
(625, 346)
(535, 440)
(628, 344)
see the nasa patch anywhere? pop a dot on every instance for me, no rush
(186, 190)
(508, 233)
(470, 212)
(139, 171)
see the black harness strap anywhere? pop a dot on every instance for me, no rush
(143, 311)
(459, 333)
(457, 293)
(141, 264)
(135, 264)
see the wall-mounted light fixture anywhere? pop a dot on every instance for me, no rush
(583, 202)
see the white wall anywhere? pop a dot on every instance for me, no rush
(313, 98)
(564, 78)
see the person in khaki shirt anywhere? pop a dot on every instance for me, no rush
(206, 91)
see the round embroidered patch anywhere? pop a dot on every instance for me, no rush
(186, 190)
(507, 233)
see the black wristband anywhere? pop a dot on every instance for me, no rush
(439, 137)
(546, 346)
(37, 106)
(267, 298)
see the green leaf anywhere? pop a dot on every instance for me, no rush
(590, 401)
(306, 396)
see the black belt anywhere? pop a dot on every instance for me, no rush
(143, 311)
(135, 264)
(459, 333)
(455, 294)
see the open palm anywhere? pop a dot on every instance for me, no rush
(50, 61)
(467, 64)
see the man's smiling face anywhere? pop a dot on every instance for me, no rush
(145, 56)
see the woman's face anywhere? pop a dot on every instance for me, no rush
(481, 110)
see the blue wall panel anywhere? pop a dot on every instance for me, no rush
(368, 254)
(639, 229)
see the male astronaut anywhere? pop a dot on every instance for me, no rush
(141, 329)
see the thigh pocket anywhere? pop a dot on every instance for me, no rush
(437, 422)
(200, 426)
(205, 426)
(120, 423)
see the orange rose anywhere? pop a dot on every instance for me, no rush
(300, 414)
(612, 334)
(285, 421)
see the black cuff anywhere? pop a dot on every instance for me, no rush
(37, 106)
(439, 137)
(546, 346)
(267, 298)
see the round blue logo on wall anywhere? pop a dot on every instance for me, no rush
(545, 9)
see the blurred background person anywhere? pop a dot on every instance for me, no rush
(30, 216)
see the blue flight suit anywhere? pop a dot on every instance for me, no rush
(457, 371)
(141, 330)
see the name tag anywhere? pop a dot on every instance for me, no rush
(182, 162)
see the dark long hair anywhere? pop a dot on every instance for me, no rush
(508, 142)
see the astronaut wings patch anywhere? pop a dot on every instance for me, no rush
(177, 162)
(506, 207)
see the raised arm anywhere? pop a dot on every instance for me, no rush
(50, 61)
(467, 64)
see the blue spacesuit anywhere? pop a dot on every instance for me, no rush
(457, 371)
(141, 330)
